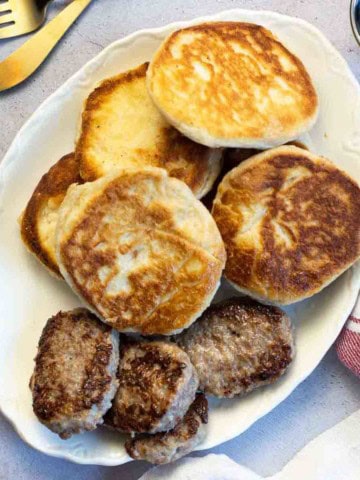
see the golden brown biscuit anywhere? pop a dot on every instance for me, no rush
(232, 84)
(39, 219)
(290, 223)
(140, 249)
(232, 158)
(121, 128)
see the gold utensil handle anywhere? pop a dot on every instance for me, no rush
(25, 60)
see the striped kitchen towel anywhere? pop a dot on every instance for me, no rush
(348, 343)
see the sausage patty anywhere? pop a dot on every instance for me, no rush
(238, 345)
(167, 447)
(157, 385)
(74, 379)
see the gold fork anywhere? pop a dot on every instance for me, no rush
(20, 64)
(21, 16)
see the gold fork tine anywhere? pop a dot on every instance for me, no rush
(22, 16)
(6, 18)
(8, 31)
(4, 7)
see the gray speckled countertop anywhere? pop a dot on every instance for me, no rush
(331, 393)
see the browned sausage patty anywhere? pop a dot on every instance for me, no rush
(157, 385)
(238, 345)
(74, 379)
(166, 447)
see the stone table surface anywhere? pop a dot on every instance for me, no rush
(331, 393)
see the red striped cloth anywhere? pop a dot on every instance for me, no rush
(348, 343)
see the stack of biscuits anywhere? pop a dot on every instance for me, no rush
(122, 221)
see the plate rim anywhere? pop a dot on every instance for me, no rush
(6, 161)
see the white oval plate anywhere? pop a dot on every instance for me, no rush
(28, 295)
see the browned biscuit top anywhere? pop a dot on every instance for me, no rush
(43, 204)
(145, 254)
(121, 128)
(232, 80)
(232, 158)
(290, 224)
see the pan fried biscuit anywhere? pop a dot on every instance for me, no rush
(140, 249)
(290, 223)
(232, 84)
(122, 128)
(38, 222)
(232, 158)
